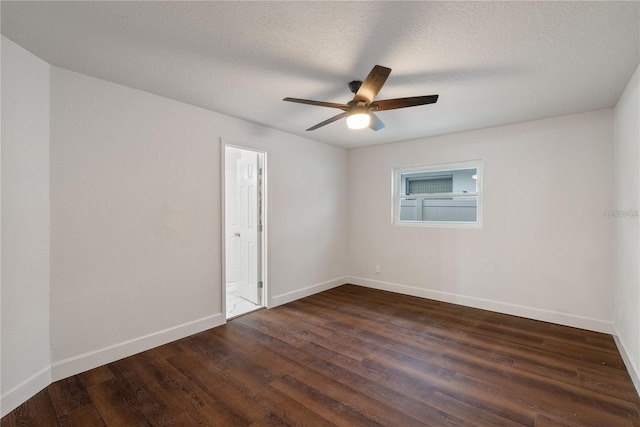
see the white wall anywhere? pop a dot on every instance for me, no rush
(627, 233)
(135, 218)
(545, 250)
(25, 225)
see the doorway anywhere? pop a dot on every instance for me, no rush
(244, 199)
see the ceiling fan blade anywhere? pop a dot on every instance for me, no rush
(326, 122)
(393, 104)
(376, 124)
(372, 84)
(318, 103)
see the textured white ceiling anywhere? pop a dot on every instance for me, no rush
(492, 63)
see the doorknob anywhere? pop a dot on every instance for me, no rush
(236, 234)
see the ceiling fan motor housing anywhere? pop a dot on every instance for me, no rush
(355, 85)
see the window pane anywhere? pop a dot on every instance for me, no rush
(430, 186)
(440, 181)
(438, 195)
(455, 209)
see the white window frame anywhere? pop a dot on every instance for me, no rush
(397, 194)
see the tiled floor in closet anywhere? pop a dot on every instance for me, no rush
(236, 305)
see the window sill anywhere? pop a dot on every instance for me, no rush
(435, 224)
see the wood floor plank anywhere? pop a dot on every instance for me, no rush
(96, 376)
(86, 416)
(38, 411)
(218, 401)
(362, 403)
(483, 398)
(469, 413)
(354, 356)
(68, 395)
(392, 392)
(545, 391)
(115, 406)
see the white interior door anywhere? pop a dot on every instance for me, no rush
(248, 209)
(231, 214)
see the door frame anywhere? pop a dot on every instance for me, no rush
(264, 215)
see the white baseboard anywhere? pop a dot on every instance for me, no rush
(15, 396)
(83, 362)
(485, 304)
(305, 292)
(633, 370)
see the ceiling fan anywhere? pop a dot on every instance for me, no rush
(360, 110)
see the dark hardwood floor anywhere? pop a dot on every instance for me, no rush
(353, 356)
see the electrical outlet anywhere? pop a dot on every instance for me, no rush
(377, 269)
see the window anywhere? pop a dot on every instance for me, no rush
(445, 194)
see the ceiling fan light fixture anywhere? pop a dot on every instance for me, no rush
(358, 118)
